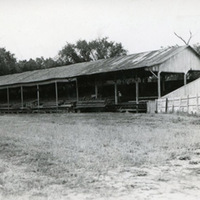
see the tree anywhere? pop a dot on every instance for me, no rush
(38, 63)
(84, 51)
(7, 62)
(102, 49)
(183, 40)
(69, 54)
(29, 65)
(197, 48)
(49, 63)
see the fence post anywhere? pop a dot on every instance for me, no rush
(156, 102)
(172, 105)
(188, 103)
(166, 105)
(180, 104)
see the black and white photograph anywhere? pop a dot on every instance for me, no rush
(99, 100)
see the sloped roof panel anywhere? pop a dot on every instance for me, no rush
(134, 61)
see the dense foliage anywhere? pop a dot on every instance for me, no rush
(7, 62)
(10, 65)
(38, 63)
(82, 51)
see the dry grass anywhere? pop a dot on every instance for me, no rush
(45, 155)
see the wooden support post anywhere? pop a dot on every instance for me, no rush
(56, 90)
(77, 92)
(166, 105)
(38, 96)
(159, 87)
(185, 78)
(96, 90)
(197, 99)
(8, 98)
(163, 83)
(188, 103)
(22, 98)
(116, 96)
(137, 91)
(180, 101)
(172, 105)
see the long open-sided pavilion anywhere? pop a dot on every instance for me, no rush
(110, 84)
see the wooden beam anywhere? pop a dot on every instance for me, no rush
(38, 96)
(38, 83)
(188, 103)
(56, 90)
(137, 90)
(159, 86)
(163, 83)
(77, 92)
(96, 90)
(166, 105)
(22, 98)
(153, 73)
(185, 78)
(116, 96)
(8, 98)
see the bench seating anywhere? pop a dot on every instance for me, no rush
(133, 107)
(128, 107)
(90, 105)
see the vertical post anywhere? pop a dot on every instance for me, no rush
(77, 92)
(38, 96)
(8, 98)
(96, 90)
(185, 78)
(56, 90)
(163, 83)
(180, 101)
(22, 98)
(188, 105)
(197, 98)
(166, 105)
(137, 90)
(116, 96)
(159, 87)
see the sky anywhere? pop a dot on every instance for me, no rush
(35, 28)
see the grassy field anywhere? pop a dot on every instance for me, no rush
(99, 156)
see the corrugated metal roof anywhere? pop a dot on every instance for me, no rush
(134, 61)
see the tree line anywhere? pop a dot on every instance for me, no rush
(81, 51)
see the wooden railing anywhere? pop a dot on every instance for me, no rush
(188, 104)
